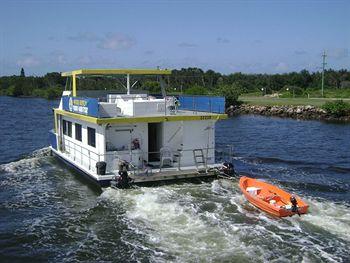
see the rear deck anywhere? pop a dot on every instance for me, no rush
(169, 175)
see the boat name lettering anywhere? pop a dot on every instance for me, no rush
(85, 106)
(80, 103)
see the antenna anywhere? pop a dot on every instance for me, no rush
(323, 66)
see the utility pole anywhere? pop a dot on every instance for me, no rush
(323, 66)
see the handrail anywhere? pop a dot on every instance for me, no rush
(81, 153)
(76, 150)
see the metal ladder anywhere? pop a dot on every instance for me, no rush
(199, 160)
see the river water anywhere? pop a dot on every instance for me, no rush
(48, 213)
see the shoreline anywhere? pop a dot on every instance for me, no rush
(307, 112)
(299, 112)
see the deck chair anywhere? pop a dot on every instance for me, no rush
(166, 157)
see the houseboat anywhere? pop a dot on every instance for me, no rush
(136, 138)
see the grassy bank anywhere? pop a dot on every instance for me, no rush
(296, 96)
(259, 100)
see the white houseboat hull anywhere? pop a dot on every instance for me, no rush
(148, 138)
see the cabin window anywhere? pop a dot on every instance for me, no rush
(91, 137)
(64, 127)
(78, 132)
(67, 128)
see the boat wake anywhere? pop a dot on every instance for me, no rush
(213, 222)
(47, 211)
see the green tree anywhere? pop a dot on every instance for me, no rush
(196, 90)
(152, 86)
(53, 93)
(22, 73)
(189, 81)
(17, 90)
(53, 79)
(337, 108)
(231, 93)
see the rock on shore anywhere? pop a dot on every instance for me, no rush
(307, 112)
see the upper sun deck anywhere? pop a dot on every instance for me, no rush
(120, 108)
(110, 72)
(136, 107)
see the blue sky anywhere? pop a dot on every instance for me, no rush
(226, 36)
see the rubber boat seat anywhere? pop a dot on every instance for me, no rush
(267, 196)
(253, 190)
(272, 197)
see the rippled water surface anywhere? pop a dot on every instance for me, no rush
(48, 213)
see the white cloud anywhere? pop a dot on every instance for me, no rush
(61, 59)
(149, 52)
(257, 42)
(187, 45)
(111, 41)
(246, 67)
(116, 41)
(84, 60)
(28, 60)
(95, 61)
(339, 53)
(58, 57)
(221, 40)
(84, 37)
(281, 67)
(184, 62)
(300, 52)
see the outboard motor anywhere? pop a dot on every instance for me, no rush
(294, 203)
(123, 180)
(228, 169)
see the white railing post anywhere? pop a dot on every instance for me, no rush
(89, 160)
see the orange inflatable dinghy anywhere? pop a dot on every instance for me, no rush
(271, 199)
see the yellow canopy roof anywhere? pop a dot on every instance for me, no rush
(116, 72)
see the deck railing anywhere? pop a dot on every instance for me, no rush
(169, 105)
(79, 153)
(213, 104)
(88, 158)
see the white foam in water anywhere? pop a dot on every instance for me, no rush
(26, 164)
(177, 228)
(17, 174)
(206, 222)
(18, 166)
(330, 216)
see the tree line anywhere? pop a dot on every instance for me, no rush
(49, 86)
(186, 80)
